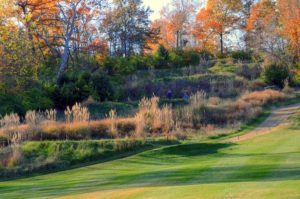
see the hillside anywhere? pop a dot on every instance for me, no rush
(265, 166)
(141, 99)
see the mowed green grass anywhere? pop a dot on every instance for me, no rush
(264, 167)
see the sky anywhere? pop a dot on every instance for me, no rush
(156, 6)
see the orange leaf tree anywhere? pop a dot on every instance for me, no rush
(175, 23)
(217, 20)
(289, 16)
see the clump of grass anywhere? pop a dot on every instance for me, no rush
(214, 101)
(34, 118)
(112, 118)
(10, 128)
(166, 119)
(248, 106)
(77, 113)
(139, 124)
(201, 112)
(51, 115)
(10, 120)
(262, 97)
(287, 89)
(191, 115)
(152, 119)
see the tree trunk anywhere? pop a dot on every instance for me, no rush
(177, 39)
(27, 25)
(221, 44)
(63, 63)
(65, 55)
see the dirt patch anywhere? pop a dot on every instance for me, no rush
(277, 119)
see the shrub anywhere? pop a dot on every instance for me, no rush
(222, 56)
(124, 66)
(191, 58)
(161, 58)
(74, 88)
(141, 62)
(37, 99)
(257, 85)
(177, 58)
(102, 87)
(163, 53)
(67, 94)
(277, 74)
(33, 99)
(241, 55)
(10, 103)
(109, 65)
(205, 55)
(249, 72)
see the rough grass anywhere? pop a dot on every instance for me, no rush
(100, 110)
(245, 128)
(224, 68)
(263, 167)
(46, 156)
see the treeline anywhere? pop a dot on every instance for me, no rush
(56, 52)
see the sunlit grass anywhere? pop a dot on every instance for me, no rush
(264, 167)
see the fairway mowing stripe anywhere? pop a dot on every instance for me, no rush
(224, 173)
(280, 161)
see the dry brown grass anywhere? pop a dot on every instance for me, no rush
(113, 125)
(287, 89)
(200, 113)
(166, 120)
(150, 119)
(10, 120)
(51, 115)
(262, 97)
(214, 101)
(190, 116)
(90, 129)
(250, 105)
(89, 101)
(77, 113)
(10, 128)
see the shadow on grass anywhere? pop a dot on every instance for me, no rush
(188, 176)
(196, 149)
(171, 174)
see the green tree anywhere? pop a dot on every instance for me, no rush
(126, 26)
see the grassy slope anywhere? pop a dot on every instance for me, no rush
(49, 156)
(245, 128)
(265, 167)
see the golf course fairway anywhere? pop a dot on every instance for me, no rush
(266, 166)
